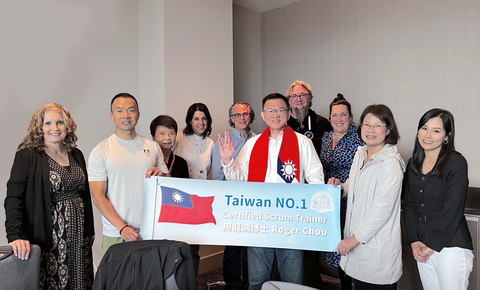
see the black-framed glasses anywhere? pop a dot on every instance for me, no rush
(375, 128)
(271, 111)
(238, 115)
(301, 96)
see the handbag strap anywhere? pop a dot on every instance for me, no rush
(171, 164)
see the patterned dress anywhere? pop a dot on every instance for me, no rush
(68, 263)
(336, 163)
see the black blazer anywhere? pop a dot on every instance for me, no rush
(434, 206)
(27, 205)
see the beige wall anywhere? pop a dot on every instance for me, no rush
(77, 54)
(198, 59)
(199, 68)
(151, 61)
(247, 61)
(409, 55)
(80, 54)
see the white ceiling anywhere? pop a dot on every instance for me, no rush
(261, 6)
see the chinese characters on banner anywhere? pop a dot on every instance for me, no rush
(295, 216)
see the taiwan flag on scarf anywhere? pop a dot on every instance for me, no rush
(182, 208)
(288, 162)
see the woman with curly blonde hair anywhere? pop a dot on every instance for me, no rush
(34, 139)
(48, 201)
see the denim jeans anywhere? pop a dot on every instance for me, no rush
(260, 264)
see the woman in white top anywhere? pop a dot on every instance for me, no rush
(194, 145)
(371, 249)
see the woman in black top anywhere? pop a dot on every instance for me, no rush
(164, 131)
(48, 201)
(436, 184)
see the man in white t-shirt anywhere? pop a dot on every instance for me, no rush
(117, 167)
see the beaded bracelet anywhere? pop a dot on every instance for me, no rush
(120, 231)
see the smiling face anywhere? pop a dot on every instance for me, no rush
(374, 133)
(165, 137)
(54, 128)
(125, 114)
(432, 134)
(199, 123)
(340, 119)
(295, 99)
(275, 120)
(241, 117)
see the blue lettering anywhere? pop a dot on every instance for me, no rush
(250, 202)
(281, 202)
(290, 203)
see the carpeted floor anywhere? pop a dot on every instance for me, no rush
(212, 281)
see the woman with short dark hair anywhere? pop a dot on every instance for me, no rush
(164, 131)
(371, 249)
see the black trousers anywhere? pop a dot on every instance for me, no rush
(311, 269)
(359, 285)
(196, 257)
(235, 268)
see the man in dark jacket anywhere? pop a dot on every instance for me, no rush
(305, 121)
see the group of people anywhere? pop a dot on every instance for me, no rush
(51, 188)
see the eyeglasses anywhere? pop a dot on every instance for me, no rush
(238, 115)
(301, 96)
(271, 111)
(375, 128)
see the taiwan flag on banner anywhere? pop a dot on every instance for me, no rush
(183, 208)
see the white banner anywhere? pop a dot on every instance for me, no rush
(277, 215)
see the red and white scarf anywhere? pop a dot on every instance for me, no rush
(288, 164)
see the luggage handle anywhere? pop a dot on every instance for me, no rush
(5, 254)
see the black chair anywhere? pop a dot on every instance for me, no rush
(151, 264)
(16, 274)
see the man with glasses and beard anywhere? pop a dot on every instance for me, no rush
(305, 121)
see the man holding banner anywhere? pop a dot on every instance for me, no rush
(278, 155)
(117, 167)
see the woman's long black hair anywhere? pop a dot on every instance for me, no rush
(447, 149)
